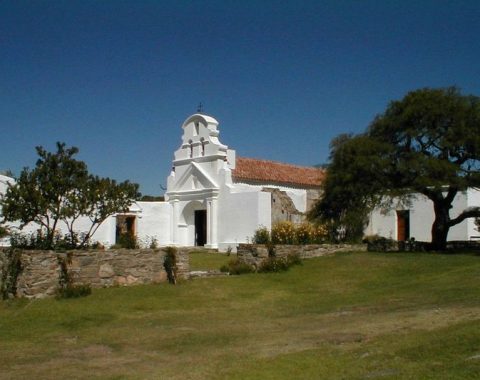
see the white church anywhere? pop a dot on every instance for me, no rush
(213, 198)
(217, 200)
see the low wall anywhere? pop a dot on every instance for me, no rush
(41, 272)
(254, 254)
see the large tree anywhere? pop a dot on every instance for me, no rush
(60, 189)
(427, 143)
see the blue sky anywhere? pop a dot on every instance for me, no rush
(118, 78)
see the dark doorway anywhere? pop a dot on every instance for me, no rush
(403, 225)
(125, 227)
(200, 227)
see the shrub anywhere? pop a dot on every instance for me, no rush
(320, 233)
(261, 236)
(74, 291)
(170, 264)
(38, 240)
(273, 264)
(12, 268)
(294, 259)
(377, 243)
(279, 264)
(3, 232)
(153, 243)
(305, 233)
(236, 266)
(283, 233)
(128, 241)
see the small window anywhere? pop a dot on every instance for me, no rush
(203, 146)
(197, 128)
(191, 149)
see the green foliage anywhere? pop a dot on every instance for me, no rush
(153, 243)
(152, 198)
(236, 266)
(283, 233)
(4, 232)
(426, 143)
(38, 240)
(377, 243)
(289, 233)
(261, 236)
(279, 264)
(74, 291)
(170, 264)
(12, 267)
(127, 241)
(60, 188)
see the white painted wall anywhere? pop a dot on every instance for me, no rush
(153, 222)
(422, 216)
(473, 200)
(298, 196)
(240, 214)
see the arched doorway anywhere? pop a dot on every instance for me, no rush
(194, 220)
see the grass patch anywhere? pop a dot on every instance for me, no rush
(208, 261)
(355, 316)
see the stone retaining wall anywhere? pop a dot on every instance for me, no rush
(41, 269)
(254, 254)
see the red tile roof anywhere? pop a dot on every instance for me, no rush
(250, 169)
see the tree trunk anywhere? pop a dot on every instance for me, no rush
(440, 225)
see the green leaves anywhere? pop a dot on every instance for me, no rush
(428, 142)
(60, 189)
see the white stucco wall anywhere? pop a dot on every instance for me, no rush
(240, 214)
(298, 196)
(473, 200)
(154, 222)
(421, 218)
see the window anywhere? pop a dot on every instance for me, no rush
(203, 146)
(190, 155)
(197, 128)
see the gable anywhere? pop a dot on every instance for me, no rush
(194, 178)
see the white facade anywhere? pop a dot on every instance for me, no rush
(203, 206)
(202, 195)
(387, 223)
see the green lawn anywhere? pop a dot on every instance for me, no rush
(349, 316)
(208, 261)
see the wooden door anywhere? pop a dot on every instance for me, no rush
(403, 225)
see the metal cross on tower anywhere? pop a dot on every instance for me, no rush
(200, 107)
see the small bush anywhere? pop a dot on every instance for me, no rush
(153, 243)
(377, 243)
(236, 266)
(305, 233)
(261, 236)
(170, 264)
(10, 272)
(128, 241)
(294, 259)
(74, 291)
(38, 240)
(272, 251)
(283, 233)
(273, 264)
(320, 234)
(279, 264)
(3, 232)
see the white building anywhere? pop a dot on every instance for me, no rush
(213, 198)
(414, 220)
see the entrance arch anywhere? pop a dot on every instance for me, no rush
(194, 220)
